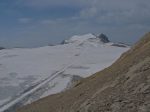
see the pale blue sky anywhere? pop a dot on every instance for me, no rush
(33, 23)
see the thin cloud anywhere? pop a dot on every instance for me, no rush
(53, 3)
(24, 20)
(118, 11)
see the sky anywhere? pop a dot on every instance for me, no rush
(34, 23)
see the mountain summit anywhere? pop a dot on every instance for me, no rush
(87, 38)
(122, 87)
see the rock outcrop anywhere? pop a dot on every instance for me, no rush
(103, 38)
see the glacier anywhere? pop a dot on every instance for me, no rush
(28, 74)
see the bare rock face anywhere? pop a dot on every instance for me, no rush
(122, 87)
(103, 38)
(1, 48)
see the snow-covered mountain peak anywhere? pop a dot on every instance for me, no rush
(86, 38)
(82, 38)
(79, 38)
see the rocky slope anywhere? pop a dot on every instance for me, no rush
(122, 87)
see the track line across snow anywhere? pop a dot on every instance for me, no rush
(21, 97)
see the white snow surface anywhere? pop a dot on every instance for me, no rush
(21, 68)
(83, 38)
